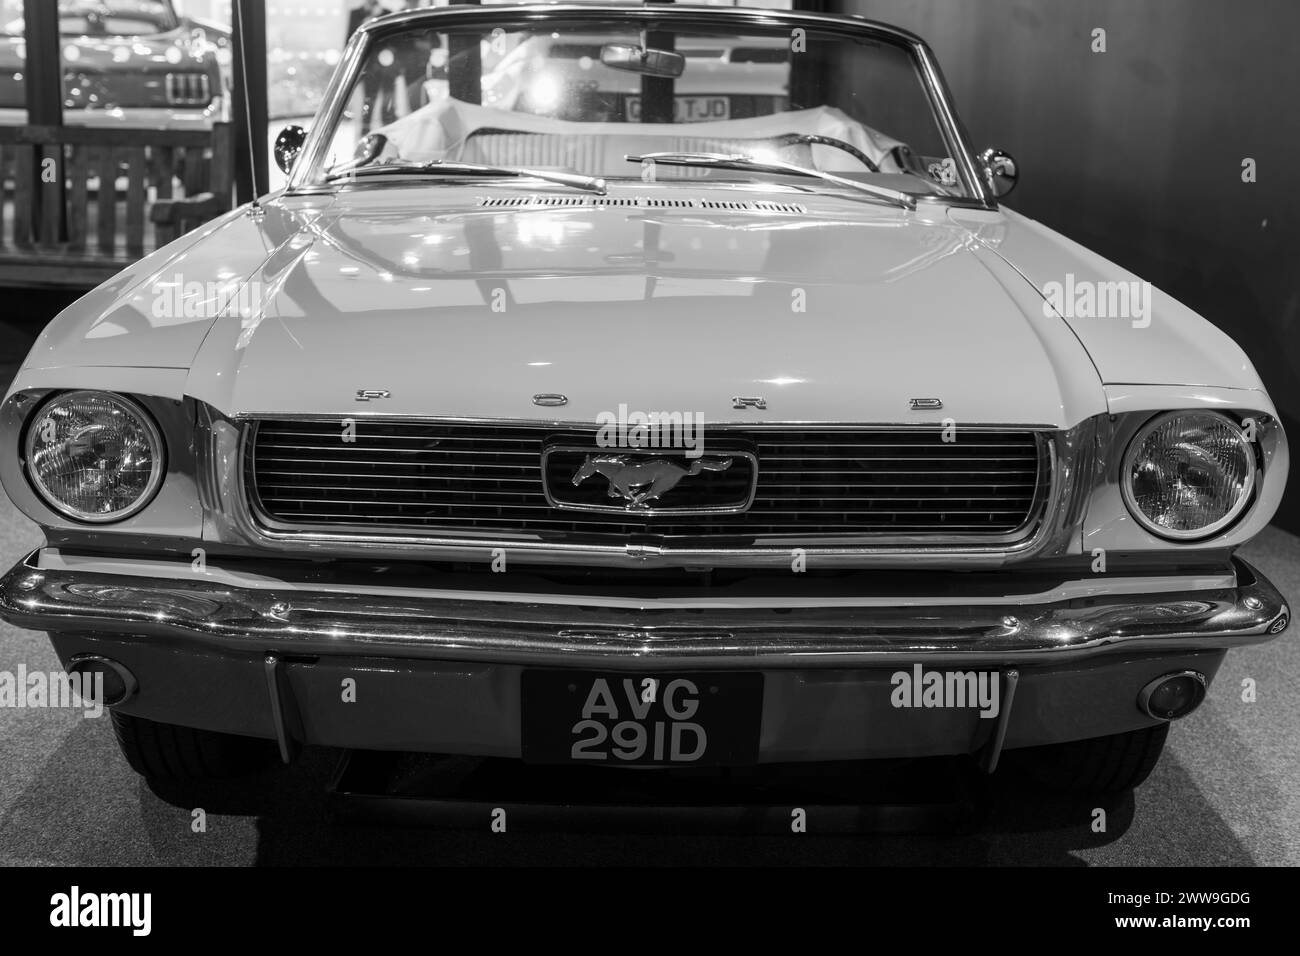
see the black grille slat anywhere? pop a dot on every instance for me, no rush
(441, 478)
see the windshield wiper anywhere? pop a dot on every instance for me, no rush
(438, 167)
(749, 164)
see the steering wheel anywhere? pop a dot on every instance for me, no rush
(816, 139)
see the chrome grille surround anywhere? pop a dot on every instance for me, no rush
(511, 473)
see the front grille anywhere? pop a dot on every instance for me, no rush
(485, 481)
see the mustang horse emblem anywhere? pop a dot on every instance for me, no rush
(638, 480)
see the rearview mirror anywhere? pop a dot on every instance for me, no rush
(287, 147)
(643, 60)
(1001, 171)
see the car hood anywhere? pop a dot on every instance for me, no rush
(826, 308)
(1155, 340)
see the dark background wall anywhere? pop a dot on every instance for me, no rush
(1137, 152)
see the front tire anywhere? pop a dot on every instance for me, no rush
(167, 752)
(1110, 764)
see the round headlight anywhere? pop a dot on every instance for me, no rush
(94, 456)
(1188, 474)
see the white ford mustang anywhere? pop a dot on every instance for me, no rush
(670, 388)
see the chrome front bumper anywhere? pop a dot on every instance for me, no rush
(261, 615)
(442, 670)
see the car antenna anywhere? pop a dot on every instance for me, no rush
(255, 207)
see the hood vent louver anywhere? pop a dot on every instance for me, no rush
(638, 202)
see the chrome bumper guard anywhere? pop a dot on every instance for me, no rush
(263, 619)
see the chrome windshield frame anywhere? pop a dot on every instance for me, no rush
(305, 179)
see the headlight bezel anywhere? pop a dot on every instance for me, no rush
(133, 407)
(1224, 523)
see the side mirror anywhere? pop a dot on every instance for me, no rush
(643, 60)
(1001, 171)
(287, 147)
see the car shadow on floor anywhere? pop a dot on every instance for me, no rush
(564, 822)
(86, 807)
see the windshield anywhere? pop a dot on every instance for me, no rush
(587, 91)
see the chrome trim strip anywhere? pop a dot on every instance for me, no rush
(266, 621)
(251, 417)
(530, 590)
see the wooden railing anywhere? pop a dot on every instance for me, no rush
(124, 193)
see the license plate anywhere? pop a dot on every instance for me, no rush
(687, 109)
(699, 720)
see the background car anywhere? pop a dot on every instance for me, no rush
(127, 63)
